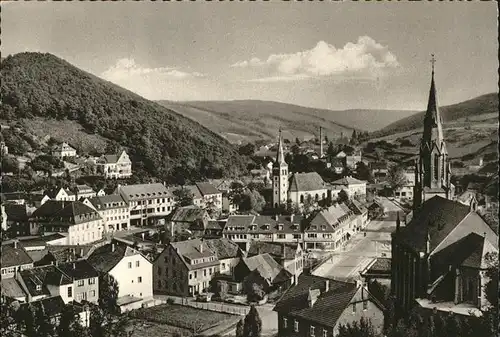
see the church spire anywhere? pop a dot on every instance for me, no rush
(433, 130)
(280, 157)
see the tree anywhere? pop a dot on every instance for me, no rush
(247, 149)
(7, 320)
(252, 200)
(10, 164)
(108, 293)
(354, 137)
(239, 328)
(308, 205)
(69, 323)
(326, 139)
(255, 293)
(252, 326)
(222, 289)
(183, 197)
(362, 329)
(363, 172)
(42, 322)
(331, 151)
(26, 317)
(396, 177)
(342, 196)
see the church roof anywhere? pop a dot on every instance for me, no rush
(280, 156)
(310, 181)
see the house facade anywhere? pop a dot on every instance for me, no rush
(84, 191)
(211, 195)
(147, 203)
(113, 209)
(352, 186)
(316, 306)
(304, 186)
(63, 150)
(62, 194)
(115, 166)
(13, 259)
(185, 268)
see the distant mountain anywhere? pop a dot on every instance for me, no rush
(482, 109)
(248, 120)
(161, 142)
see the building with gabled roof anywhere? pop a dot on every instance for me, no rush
(115, 166)
(132, 270)
(228, 254)
(307, 185)
(63, 150)
(352, 186)
(210, 194)
(84, 191)
(316, 306)
(14, 258)
(243, 229)
(61, 194)
(185, 268)
(148, 203)
(438, 258)
(113, 209)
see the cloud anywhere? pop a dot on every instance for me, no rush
(126, 68)
(364, 59)
(288, 78)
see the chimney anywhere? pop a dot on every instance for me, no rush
(15, 244)
(74, 265)
(201, 246)
(276, 217)
(172, 229)
(327, 285)
(81, 252)
(112, 247)
(291, 217)
(142, 235)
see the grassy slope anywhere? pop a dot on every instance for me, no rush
(42, 85)
(252, 119)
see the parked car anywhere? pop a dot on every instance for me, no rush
(205, 297)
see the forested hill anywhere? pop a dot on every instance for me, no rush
(160, 141)
(483, 105)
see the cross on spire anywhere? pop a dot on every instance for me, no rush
(433, 61)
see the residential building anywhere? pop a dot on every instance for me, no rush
(316, 306)
(378, 269)
(329, 228)
(405, 192)
(62, 194)
(307, 185)
(361, 212)
(243, 229)
(336, 164)
(352, 186)
(379, 170)
(14, 258)
(228, 254)
(80, 223)
(438, 258)
(84, 191)
(352, 158)
(115, 166)
(63, 150)
(196, 194)
(132, 271)
(432, 168)
(288, 255)
(264, 271)
(16, 220)
(85, 280)
(280, 177)
(148, 203)
(211, 195)
(113, 209)
(190, 221)
(43, 215)
(185, 268)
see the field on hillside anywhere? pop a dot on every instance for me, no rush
(243, 121)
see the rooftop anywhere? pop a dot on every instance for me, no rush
(12, 256)
(144, 191)
(266, 266)
(223, 248)
(309, 181)
(276, 249)
(188, 214)
(207, 189)
(106, 257)
(109, 201)
(263, 224)
(346, 181)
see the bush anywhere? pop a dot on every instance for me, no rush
(255, 293)
(170, 300)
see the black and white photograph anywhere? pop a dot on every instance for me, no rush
(249, 168)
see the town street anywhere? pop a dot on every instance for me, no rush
(361, 250)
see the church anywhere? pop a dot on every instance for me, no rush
(440, 256)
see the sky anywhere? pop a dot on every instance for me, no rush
(333, 55)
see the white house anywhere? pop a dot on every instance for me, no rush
(132, 271)
(63, 150)
(211, 195)
(147, 202)
(405, 192)
(84, 191)
(113, 209)
(115, 166)
(62, 195)
(352, 186)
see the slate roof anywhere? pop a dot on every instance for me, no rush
(357, 207)
(207, 189)
(144, 191)
(275, 249)
(76, 212)
(190, 250)
(11, 257)
(10, 287)
(223, 248)
(43, 276)
(187, 214)
(14, 196)
(265, 265)
(53, 306)
(16, 213)
(346, 181)
(329, 305)
(104, 259)
(263, 224)
(109, 201)
(194, 191)
(80, 269)
(84, 189)
(49, 208)
(310, 181)
(324, 221)
(437, 217)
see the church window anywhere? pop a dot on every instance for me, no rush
(301, 198)
(436, 166)
(443, 176)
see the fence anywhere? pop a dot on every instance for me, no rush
(213, 306)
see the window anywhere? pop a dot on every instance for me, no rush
(81, 283)
(195, 274)
(139, 279)
(353, 308)
(325, 333)
(436, 166)
(365, 305)
(130, 265)
(137, 263)
(92, 293)
(204, 272)
(190, 276)
(312, 330)
(91, 280)
(296, 326)
(285, 322)
(281, 236)
(70, 291)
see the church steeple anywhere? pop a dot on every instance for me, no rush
(280, 157)
(432, 169)
(280, 176)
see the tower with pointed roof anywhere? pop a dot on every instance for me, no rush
(280, 176)
(432, 169)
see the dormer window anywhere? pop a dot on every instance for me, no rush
(254, 227)
(323, 227)
(38, 287)
(280, 227)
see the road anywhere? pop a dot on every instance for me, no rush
(361, 249)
